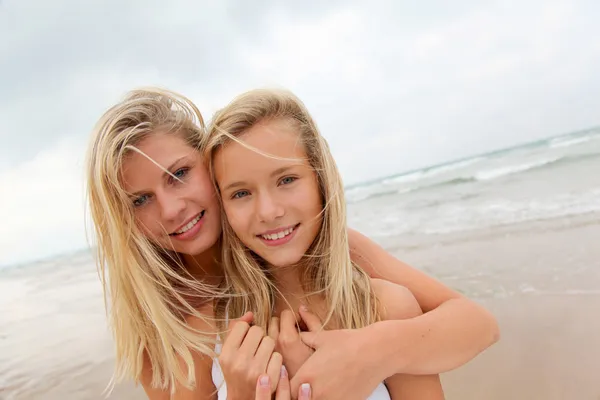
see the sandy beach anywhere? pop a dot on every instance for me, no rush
(516, 230)
(541, 280)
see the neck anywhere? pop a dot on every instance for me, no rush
(287, 279)
(290, 293)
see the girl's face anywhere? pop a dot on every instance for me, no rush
(272, 203)
(181, 215)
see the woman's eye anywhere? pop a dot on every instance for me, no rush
(240, 194)
(287, 180)
(179, 174)
(140, 201)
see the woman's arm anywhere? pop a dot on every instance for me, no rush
(204, 389)
(452, 331)
(398, 303)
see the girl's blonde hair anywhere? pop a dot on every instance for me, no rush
(328, 271)
(148, 292)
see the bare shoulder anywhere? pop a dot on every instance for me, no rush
(373, 258)
(396, 301)
(360, 247)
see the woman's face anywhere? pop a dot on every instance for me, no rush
(273, 204)
(178, 212)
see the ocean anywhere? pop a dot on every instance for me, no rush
(550, 178)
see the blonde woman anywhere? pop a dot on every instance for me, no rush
(158, 227)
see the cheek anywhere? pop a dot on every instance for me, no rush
(311, 201)
(148, 224)
(238, 219)
(201, 183)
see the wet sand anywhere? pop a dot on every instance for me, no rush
(541, 280)
(550, 349)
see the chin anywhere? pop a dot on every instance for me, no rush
(194, 249)
(283, 262)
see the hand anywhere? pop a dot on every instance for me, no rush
(287, 338)
(263, 388)
(340, 357)
(247, 354)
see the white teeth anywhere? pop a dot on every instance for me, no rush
(189, 225)
(278, 235)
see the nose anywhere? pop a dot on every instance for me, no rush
(268, 208)
(172, 207)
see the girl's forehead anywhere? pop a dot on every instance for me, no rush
(274, 138)
(264, 151)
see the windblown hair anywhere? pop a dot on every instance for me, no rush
(148, 291)
(327, 267)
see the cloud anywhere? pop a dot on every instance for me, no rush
(393, 86)
(42, 205)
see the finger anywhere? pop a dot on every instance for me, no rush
(287, 325)
(274, 328)
(247, 318)
(263, 388)
(274, 369)
(252, 341)
(305, 391)
(264, 352)
(295, 382)
(283, 387)
(236, 336)
(313, 339)
(312, 321)
(303, 375)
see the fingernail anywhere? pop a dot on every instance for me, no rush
(264, 381)
(283, 371)
(303, 307)
(305, 389)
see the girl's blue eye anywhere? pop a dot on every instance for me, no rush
(140, 201)
(240, 194)
(287, 180)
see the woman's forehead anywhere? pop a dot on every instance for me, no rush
(152, 157)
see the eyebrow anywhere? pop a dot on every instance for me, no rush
(166, 173)
(278, 171)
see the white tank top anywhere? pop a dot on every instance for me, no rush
(380, 393)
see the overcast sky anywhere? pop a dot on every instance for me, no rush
(393, 86)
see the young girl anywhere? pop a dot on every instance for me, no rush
(157, 226)
(285, 240)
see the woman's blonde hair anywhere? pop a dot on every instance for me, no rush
(328, 269)
(148, 292)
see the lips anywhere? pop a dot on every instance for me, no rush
(277, 237)
(278, 234)
(189, 225)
